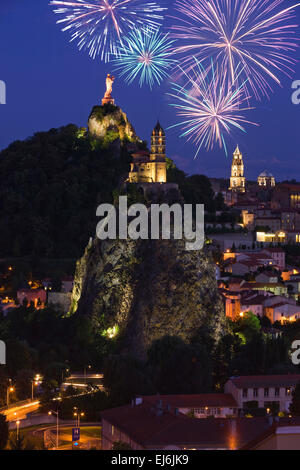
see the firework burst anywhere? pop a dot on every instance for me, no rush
(209, 107)
(255, 36)
(99, 25)
(145, 55)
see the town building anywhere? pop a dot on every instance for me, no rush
(266, 277)
(283, 434)
(276, 288)
(253, 302)
(217, 405)
(67, 284)
(277, 255)
(266, 180)
(287, 196)
(266, 390)
(144, 426)
(283, 312)
(36, 296)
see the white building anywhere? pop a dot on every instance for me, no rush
(266, 390)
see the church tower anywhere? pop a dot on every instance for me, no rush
(158, 143)
(158, 154)
(151, 168)
(237, 180)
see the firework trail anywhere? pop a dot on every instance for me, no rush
(209, 107)
(256, 36)
(145, 55)
(99, 25)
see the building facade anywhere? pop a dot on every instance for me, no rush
(266, 180)
(151, 168)
(267, 390)
(237, 180)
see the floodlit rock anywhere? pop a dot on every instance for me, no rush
(145, 289)
(110, 123)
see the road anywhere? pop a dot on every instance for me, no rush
(20, 412)
(90, 435)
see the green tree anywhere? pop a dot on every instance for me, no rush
(249, 325)
(178, 367)
(16, 441)
(3, 432)
(124, 377)
(295, 405)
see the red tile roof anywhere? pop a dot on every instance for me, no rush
(141, 424)
(265, 273)
(245, 381)
(274, 250)
(257, 300)
(194, 401)
(278, 423)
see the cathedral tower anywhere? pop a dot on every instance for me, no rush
(237, 180)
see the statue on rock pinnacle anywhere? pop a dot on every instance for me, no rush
(107, 96)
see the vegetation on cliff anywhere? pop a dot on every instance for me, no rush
(52, 183)
(50, 187)
(139, 291)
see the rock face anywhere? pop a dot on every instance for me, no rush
(110, 120)
(145, 289)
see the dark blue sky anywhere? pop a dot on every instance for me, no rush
(50, 84)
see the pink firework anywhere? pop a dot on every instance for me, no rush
(208, 107)
(256, 37)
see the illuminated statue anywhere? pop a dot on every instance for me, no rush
(109, 83)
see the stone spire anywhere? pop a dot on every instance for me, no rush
(237, 180)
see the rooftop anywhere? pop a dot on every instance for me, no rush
(266, 174)
(194, 401)
(150, 430)
(245, 381)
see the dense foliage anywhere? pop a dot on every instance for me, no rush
(50, 186)
(46, 342)
(3, 431)
(52, 183)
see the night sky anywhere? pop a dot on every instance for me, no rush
(51, 84)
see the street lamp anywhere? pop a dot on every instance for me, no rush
(62, 374)
(47, 289)
(86, 367)
(18, 424)
(8, 391)
(77, 415)
(35, 382)
(55, 413)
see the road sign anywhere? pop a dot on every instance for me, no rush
(75, 434)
